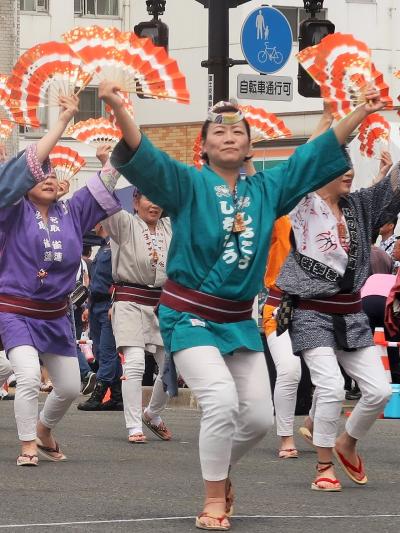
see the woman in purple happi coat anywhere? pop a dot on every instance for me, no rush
(40, 250)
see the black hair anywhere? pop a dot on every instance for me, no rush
(206, 125)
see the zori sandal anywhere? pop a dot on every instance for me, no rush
(27, 460)
(289, 453)
(204, 520)
(355, 473)
(48, 451)
(138, 438)
(335, 483)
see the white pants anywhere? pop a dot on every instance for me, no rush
(235, 399)
(65, 376)
(133, 369)
(5, 368)
(288, 374)
(365, 367)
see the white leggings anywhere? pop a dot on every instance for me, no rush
(5, 368)
(365, 367)
(235, 399)
(65, 376)
(133, 369)
(288, 374)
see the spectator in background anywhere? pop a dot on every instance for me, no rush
(396, 255)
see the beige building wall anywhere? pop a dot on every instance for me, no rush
(9, 51)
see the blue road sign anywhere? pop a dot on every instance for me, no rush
(266, 40)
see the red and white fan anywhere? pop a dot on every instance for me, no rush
(135, 63)
(342, 66)
(40, 76)
(65, 162)
(374, 135)
(4, 97)
(264, 126)
(95, 131)
(6, 128)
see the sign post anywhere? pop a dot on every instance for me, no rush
(266, 40)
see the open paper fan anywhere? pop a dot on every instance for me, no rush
(5, 129)
(95, 131)
(342, 66)
(4, 97)
(65, 162)
(374, 130)
(397, 74)
(135, 63)
(264, 126)
(40, 75)
(127, 105)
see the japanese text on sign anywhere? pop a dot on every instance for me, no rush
(265, 87)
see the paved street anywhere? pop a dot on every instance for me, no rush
(109, 485)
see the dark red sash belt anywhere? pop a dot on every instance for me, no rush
(340, 304)
(138, 295)
(204, 305)
(33, 308)
(274, 297)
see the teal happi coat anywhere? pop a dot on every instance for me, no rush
(205, 254)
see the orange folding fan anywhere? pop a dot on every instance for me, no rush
(65, 162)
(264, 126)
(135, 63)
(40, 75)
(374, 131)
(5, 129)
(4, 97)
(343, 68)
(95, 131)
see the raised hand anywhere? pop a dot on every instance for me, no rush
(103, 153)
(108, 92)
(63, 188)
(69, 106)
(384, 167)
(373, 102)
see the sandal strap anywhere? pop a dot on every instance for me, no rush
(31, 457)
(326, 466)
(213, 517)
(327, 480)
(49, 449)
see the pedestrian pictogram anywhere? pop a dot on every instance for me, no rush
(266, 40)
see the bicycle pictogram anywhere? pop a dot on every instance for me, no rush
(271, 54)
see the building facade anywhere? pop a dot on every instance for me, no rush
(174, 127)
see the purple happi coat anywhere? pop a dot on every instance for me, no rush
(27, 245)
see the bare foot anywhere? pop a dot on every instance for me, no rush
(346, 445)
(216, 509)
(308, 423)
(328, 473)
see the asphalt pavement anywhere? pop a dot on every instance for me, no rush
(109, 485)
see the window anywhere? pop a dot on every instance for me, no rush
(42, 113)
(296, 15)
(34, 5)
(96, 7)
(90, 106)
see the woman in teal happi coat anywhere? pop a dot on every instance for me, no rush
(221, 231)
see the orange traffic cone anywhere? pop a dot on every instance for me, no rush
(107, 396)
(382, 344)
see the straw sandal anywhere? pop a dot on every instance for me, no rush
(48, 452)
(218, 520)
(289, 453)
(355, 473)
(138, 438)
(27, 460)
(336, 486)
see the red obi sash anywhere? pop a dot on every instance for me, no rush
(205, 305)
(33, 308)
(140, 295)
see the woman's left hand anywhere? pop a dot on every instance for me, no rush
(373, 101)
(69, 106)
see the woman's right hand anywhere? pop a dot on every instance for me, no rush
(108, 92)
(69, 106)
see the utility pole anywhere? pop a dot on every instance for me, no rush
(219, 62)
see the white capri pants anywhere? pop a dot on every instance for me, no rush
(5, 368)
(133, 369)
(235, 398)
(365, 367)
(65, 376)
(288, 375)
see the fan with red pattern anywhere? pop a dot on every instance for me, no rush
(264, 126)
(40, 76)
(134, 63)
(343, 68)
(95, 131)
(374, 135)
(65, 162)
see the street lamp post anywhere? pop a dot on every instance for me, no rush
(218, 61)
